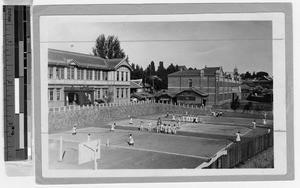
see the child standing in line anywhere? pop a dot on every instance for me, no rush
(130, 140)
(162, 129)
(173, 118)
(196, 119)
(183, 118)
(265, 119)
(74, 131)
(178, 122)
(141, 125)
(131, 120)
(166, 129)
(169, 129)
(157, 127)
(149, 126)
(112, 128)
(174, 130)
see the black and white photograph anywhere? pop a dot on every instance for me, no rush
(147, 93)
(186, 92)
(159, 95)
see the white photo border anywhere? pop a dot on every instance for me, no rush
(280, 98)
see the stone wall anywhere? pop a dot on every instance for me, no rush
(96, 116)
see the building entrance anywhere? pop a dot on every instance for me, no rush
(79, 96)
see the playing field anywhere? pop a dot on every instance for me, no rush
(193, 144)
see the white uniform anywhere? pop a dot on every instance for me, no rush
(131, 120)
(74, 130)
(149, 126)
(131, 142)
(254, 124)
(238, 137)
(112, 128)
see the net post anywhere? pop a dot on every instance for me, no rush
(60, 149)
(95, 160)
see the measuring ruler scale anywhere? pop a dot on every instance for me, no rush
(17, 65)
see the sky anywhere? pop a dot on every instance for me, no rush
(196, 44)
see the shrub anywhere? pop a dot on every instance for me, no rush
(235, 104)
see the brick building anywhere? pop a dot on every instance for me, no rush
(220, 86)
(81, 79)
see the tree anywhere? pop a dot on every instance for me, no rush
(261, 74)
(108, 98)
(235, 103)
(253, 75)
(247, 75)
(248, 106)
(163, 75)
(108, 48)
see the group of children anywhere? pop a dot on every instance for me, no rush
(167, 129)
(217, 113)
(185, 118)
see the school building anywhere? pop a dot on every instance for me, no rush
(221, 87)
(81, 79)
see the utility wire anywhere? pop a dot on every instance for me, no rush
(165, 40)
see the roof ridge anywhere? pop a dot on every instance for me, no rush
(77, 53)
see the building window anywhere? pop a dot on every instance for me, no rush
(190, 83)
(105, 75)
(58, 94)
(126, 76)
(126, 93)
(89, 74)
(97, 75)
(57, 72)
(122, 76)
(99, 93)
(72, 73)
(78, 74)
(50, 94)
(81, 74)
(122, 93)
(68, 73)
(50, 72)
(105, 92)
(60, 72)
(117, 92)
(117, 75)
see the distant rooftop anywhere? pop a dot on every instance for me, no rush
(185, 73)
(63, 58)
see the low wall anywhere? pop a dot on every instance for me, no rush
(67, 117)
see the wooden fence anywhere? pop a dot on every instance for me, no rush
(238, 153)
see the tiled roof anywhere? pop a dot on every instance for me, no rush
(185, 73)
(112, 63)
(165, 92)
(60, 57)
(141, 95)
(201, 93)
(210, 70)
